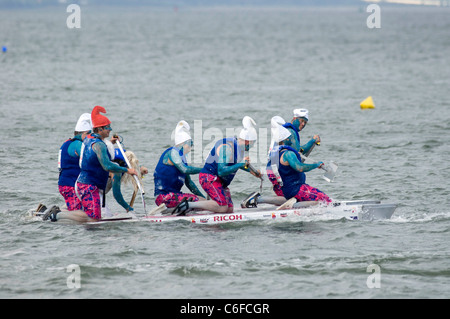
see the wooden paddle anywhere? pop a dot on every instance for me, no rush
(135, 177)
(133, 197)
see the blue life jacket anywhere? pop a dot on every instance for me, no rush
(168, 179)
(92, 171)
(69, 166)
(292, 179)
(118, 156)
(211, 165)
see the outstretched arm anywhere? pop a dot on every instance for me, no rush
(252, 170)
(175, 158)
(306, 147)
(293, 161)
(226, 156)
(102, 154)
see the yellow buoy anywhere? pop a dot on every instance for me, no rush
(367, 103)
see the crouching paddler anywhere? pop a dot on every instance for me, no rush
(95, 166)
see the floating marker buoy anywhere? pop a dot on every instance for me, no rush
(367, 103)
(4, 49)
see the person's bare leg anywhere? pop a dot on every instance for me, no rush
(209, 205)
(75, 215)
(273, 200)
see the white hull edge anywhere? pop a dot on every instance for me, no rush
(353, 210)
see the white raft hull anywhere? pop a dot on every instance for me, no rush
(352, 210)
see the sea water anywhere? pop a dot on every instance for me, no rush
(151, 67)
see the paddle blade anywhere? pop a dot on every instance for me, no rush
(330, 172)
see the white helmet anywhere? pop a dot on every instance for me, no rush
(248, 133)
(84, 123)
(301, 113)
(279, 132)
(181, 133)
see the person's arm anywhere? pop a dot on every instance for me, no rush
(192, 187)
(226, 156)
(74, 148)
(250, 168)
(293, 161)
(175, 158)
(102, 154)
(306, 147)
(117, 193)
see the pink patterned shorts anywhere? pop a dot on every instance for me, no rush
(309, 193)
(72, 201)
(276, 186)
(173, 199)
(213, 187)
(90, 199)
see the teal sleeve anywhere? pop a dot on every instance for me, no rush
(175, 157)
(293, 161)
(102, 154)
(227, 157)
(295, 141)
(74, 149)
(192, 187)
(117, 193)
(306, 147)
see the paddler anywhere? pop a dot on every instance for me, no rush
(114, 182)
(68, 162)
(95, 165)
(279, 135)
(292, 171)
(173, 171)
(297, 124)
(225, 159)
